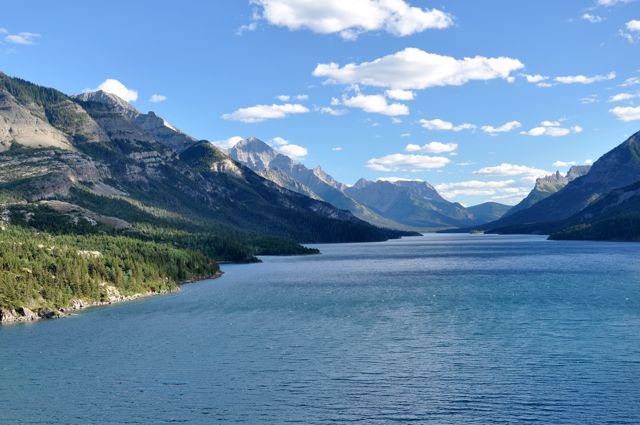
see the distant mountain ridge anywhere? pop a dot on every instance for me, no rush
(399, 204)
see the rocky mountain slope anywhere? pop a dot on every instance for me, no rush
(548, 185)
(315, 183)
(615, 216)
(99, 153)
(616, 169)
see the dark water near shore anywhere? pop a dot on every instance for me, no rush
(439, 329)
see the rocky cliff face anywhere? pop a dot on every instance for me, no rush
(548, 185)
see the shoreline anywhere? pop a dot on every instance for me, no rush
(25, 315)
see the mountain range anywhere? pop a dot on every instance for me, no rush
(95, 152)
(596, 203)
(400, 204)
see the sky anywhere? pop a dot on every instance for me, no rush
(478, 98)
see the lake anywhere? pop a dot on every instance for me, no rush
(434, 329)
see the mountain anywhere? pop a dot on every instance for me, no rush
(617, 168)
(315, 183)
(97, 152)
(615, 216)
(413, 203)
(397, 204)
(548, 185)
(488, 211)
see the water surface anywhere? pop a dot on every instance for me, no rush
(437, 329)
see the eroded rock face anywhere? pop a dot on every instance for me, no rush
(27, 126)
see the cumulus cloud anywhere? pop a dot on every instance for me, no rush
(415, 69)
(481, 188)
(332, 111)
(433, 147)
(157, 98)
(631, 31)
(286, 97)
(609, 3)
(630, 82)
(407, 162)
(337, 149)
(438, 124)
(116, 87)
(283, 146)
(506, 169)
(399, 94)
(350, 19)
(553, 129)
(261, 113)
(376, 104)
(504, 128)
(587, 100)
(534, 78)
(594, 19)
(623, 96)
(23, 38)
(563, 164)
(227, 143)
(583, 79)
(626, 113)
(397, 179)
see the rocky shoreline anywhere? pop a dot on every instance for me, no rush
(25, 315)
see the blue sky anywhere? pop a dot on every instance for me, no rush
(376, 88)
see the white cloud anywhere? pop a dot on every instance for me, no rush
(553, 129)
(594, 19)
(395, 120)
(116, 87)
(609, 3)
(545, 85)
(583, 79)
(415, 69)
(24, 38)
(157, 98)
(438, 124)
(506, 169)
(261, 113)
(629, 82)
(376, 104)
(3, 31)
(500, 189)
(627, 113)
(633, 28)
(279, 141)
(337, 149)
(293, 151)
(283, 146)
(504, 128)
(227, 143)
(407, 162)
(332, 111)
(350, 19)
(286, 97)
(534, 78)
(623, 96)
(433, 147)
(397, 179)
(563, 164)
(399, 94)
(587, 100)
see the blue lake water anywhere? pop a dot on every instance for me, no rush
(435, 329)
